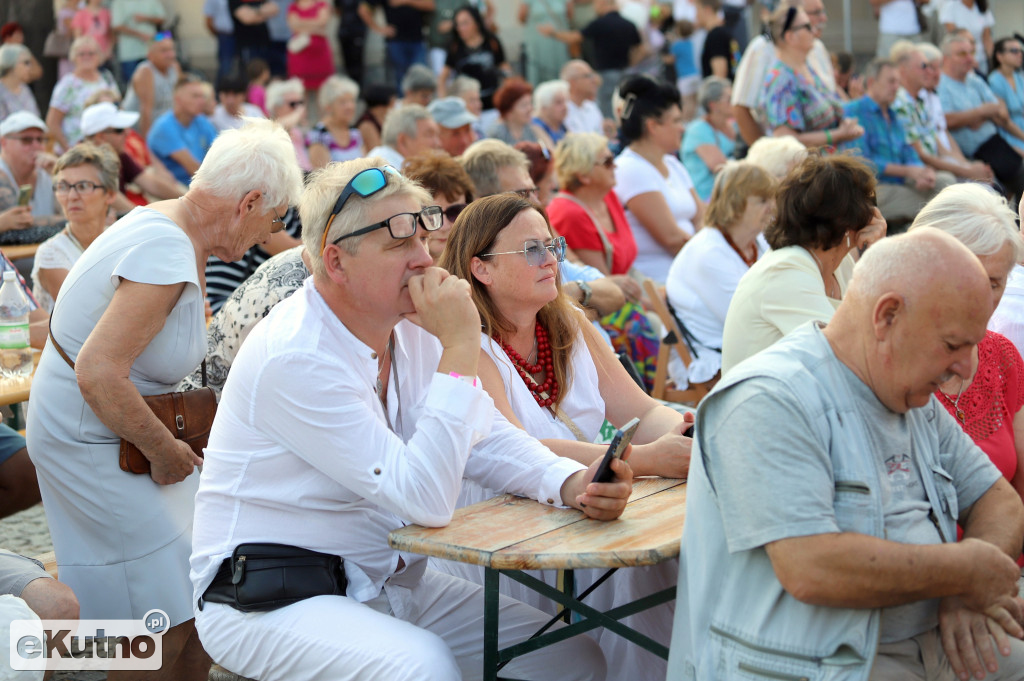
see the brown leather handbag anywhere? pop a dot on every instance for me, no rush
(188, 415)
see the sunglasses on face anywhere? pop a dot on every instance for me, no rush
(30, 139)
(453, 211)
(403, 225)
(365, 184)
(607, 162)
(1013, 50)
(800, 27)
(295, 104)
(536, 251)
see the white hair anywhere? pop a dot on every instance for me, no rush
(9, 56)
(777, 154)
(402, 120)
(321, 193)
(259, 155)
(929, 51)
(279, 90)
(79, 43)
(335, 87)
(976, 216)
(463, 84)
(546, 92)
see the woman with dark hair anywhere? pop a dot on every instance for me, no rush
(474, 52)
(542, 169)
(1006, 82)
(450, 188)
(504, 246)
(379, 98)
(824, 210)
(652, 184)
(975, 17)
(796, 101)
(514, 102)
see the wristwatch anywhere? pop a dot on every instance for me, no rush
(588, 292)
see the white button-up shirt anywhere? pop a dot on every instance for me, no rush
(301, 452)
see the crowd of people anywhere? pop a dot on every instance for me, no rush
(461, 263)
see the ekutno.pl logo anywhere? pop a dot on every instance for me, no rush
(89, 644)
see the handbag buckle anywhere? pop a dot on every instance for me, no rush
(179, 421)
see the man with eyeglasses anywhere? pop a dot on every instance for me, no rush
(103, 123)
(22, 139)
(181, 137)
(748, 86)
(921, 130)
(353, 409)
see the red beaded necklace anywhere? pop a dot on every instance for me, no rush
(747, 260)
(547, 392)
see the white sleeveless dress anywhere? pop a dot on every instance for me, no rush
(585, 407)
(122, 541)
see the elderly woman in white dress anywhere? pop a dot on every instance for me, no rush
(705, 274)
(85, 184)
(550, 374)
(130, 317)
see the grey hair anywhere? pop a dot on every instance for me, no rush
(777, 154)
(419, 77)
(335, 87)
(9, 56)
(546, 92)
(484, 158)
(875, 67)
(321, 193)
(79, 43)
(259, 155)
(280, 89)
(402, 121)
(463, 84)
(949, 41)
(976, 216)
(929, 51)
(100, 156)
(711, 90)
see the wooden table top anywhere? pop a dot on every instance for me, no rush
(513, 533)
(20, 251)
(13, 391)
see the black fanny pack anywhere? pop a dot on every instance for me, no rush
(260, 577)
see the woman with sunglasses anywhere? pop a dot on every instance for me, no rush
(550, 373)
(1007, 82)
(448, 184)
(85, 184)
(130, 320)
(796, 101)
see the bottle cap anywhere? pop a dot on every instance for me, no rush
(8, 275)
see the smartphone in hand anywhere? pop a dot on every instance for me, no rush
(616, 448)
(24, 194)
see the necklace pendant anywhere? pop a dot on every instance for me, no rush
(961, 416)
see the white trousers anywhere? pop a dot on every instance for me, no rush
(922, 658)
(336, 638)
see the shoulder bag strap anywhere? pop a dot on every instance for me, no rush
(605, 243)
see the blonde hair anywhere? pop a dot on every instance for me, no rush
(576, 155)
(736, 182)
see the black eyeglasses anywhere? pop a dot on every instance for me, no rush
(116, 131)
(453, 211)
(536, 251)
(403, 225)
(365, 183)
(81, 187)
(528, 193)
(1012, 50)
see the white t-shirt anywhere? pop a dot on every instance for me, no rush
(974, 21)
(222, 120)
(700, 285)
(933, 105)
(634, 175)
(898, 18)
(1008, 319)
(585, 117)
(388, 154)
(59, 252)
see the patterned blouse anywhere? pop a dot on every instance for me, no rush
(321, 135)
(804, 105)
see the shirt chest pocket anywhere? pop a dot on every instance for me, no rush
(854, 507)
(945, 493)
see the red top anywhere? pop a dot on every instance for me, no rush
(573, 221)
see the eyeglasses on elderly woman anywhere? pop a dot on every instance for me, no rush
(365, 183)
(536, 251)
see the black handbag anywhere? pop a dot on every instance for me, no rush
(260, 577)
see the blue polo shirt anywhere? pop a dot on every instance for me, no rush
(970, 94)
(167, 135)
(884, 141)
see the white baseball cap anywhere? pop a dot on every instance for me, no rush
(22, 120)
(106, 115)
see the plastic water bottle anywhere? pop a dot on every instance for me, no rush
(15, 352)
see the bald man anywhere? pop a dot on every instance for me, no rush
(826, 487)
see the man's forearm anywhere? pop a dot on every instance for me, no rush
(959, 119)
(998, 518)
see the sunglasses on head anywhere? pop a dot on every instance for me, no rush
(536, 251)
(162, 35)
(365, 184)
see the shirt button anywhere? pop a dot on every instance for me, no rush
(376, 471)
(551, 501)
(373, 355)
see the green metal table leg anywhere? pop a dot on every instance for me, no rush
(490, 624)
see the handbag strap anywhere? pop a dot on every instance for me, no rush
(605, 243)
(570, 424)
(64, 355)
